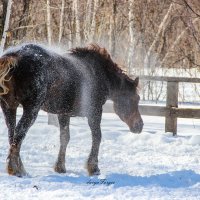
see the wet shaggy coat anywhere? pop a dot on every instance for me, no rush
(75, 84)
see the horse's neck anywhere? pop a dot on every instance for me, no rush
(116, 84)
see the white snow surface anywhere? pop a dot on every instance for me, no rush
(150, 165)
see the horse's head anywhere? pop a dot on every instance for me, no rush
(126, 107)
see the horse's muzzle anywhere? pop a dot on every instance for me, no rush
(137, 128)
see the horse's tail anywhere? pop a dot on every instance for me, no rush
(7, 62)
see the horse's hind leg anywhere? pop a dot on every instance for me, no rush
(64, 139)
(14, 163)
(10, 118)
(94, 123)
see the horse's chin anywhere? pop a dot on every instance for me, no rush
(137, 129)
(132, 130)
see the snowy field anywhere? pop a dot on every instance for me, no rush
(152, 165)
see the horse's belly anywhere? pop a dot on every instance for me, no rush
(57, 107)
(72, 108)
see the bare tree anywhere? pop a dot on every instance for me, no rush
(49, 34)
(6, 25)
(132, 36)
(151, 33)
(24, 19)
(3, 16)
(112, 39)
(187, 4)
(175, 43)
(88, 18)
(93, 23)
(61, 21)
(76, 4)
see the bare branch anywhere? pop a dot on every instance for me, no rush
(187, 4)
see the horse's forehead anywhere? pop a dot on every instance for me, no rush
(130, 91)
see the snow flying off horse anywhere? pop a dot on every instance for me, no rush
(77, 84)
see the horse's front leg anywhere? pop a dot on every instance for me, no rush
(14, 163)
(64, 140)
(94, 122)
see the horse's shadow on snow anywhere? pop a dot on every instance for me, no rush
(175, 179)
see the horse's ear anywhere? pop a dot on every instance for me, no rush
(136, 81)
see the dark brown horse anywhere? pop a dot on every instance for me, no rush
(77, 84)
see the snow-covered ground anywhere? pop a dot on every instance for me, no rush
(151, 165)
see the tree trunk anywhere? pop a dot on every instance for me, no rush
(93, 23)
(53, 119)
(112, 28)
(61, 21)
(70, 18)
(48, 22)
(132, 37)
(6, 26)
(24, 19)
(88, 18)
(77, 22)
(3, 17)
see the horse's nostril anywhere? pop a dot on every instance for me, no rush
(138, 127)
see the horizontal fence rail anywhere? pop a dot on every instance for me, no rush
(151, 110)
(170, 79)
(173, 111)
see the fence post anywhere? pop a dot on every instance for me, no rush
(172, 101)
(53, 119)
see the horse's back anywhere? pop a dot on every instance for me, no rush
(60, 84)
(72, 87)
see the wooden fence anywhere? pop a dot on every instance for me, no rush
(171, 111)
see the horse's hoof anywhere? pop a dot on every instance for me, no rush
(96, 173)
(15, 167)
(93, 170)
(59, 168)
(16, 172)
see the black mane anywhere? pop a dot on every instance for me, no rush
(101, 53)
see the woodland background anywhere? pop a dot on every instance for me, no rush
(143, 36)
